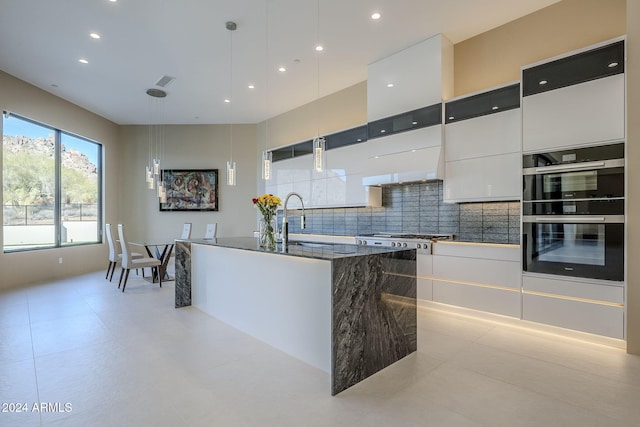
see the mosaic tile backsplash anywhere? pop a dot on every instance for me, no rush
(418, 208)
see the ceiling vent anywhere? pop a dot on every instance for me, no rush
(165, 81)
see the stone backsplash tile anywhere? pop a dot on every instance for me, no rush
(418, 208)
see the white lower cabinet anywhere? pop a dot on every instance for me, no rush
(489, 278)
(480, 276)
(425, 272)
(596, 308)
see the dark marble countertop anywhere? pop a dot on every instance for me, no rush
(327, 251)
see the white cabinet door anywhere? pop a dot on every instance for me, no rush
(588, 307)
(478, 276)
(403, 157)
(416, 74)
(483, 179)
(340, 184)
(490, 135)
(584, 113)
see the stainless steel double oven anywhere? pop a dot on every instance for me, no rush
(573, 212)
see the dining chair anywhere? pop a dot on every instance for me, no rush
(211, 231)
(114, 254)
(186, 231)
(128, 262)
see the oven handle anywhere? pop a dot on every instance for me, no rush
(572, 167)
(562, 219)
(606, 164)
(571, 219)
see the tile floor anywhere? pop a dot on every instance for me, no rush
(133, 360)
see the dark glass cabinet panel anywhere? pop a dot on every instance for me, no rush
(420, 118)
(495, 101)
(579, 68)
(346, 137)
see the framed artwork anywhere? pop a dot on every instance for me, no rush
(190, 189)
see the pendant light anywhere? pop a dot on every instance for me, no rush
(156, 141)
(319, 144)
(267, 156)
(231, 165)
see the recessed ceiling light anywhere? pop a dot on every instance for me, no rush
(113, 1)
(319, 48)
(94, 35)
(359, 139)
(414, 123)
(613, 64)
(382, 130)
(83, 61)
(495, 107)
(390, 84)
(282, 69)
(375, 16)
(250, 86)
(227, 100)
(451, 117)
(542, 82)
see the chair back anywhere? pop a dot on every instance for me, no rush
(210, 231)
(186, 231)
(126, 253)
(113, 253)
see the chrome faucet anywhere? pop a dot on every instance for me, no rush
(285, 221)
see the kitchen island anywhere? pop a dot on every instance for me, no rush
(346, 309)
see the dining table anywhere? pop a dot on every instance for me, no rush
(162, 251)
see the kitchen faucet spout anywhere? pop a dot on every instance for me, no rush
(285, 220)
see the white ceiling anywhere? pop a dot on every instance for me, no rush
(142, 40)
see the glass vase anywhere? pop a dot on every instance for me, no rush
(267, 233)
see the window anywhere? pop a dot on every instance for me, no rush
(52, 187)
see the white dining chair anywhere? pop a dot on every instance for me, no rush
(211, 231)
(115, 256)
(128, 262)
(186, 231)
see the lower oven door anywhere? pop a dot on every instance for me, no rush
(579, 246)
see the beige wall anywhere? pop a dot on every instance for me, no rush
(338, 111)
(190, 147)
(495, 57)
(35, 266)
(633, 176)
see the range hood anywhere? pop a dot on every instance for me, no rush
(405, 157)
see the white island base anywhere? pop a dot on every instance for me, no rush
(281, 300)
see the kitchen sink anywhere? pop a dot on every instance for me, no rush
(309, 244)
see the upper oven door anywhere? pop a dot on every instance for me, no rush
(601, 179)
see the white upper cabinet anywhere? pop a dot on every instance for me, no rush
(483, 146)
(404, 109)
(413, 78)
(488, 135)
(575, 100)
(340, 184)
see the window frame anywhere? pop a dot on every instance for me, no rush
(57, 204)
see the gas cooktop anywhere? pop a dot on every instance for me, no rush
(408, 236)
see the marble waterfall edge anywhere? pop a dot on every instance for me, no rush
(374, 315)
